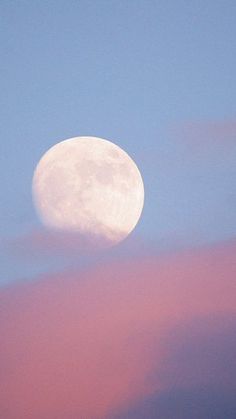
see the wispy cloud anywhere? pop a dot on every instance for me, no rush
(212, 132)
(91, 343)
(54, 241)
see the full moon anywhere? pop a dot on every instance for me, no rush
(90, 186)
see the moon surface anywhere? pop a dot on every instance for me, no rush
(90, 186)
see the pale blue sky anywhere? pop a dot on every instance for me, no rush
(133, 72)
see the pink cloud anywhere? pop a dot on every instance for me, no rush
(84, 345)
(218, 132)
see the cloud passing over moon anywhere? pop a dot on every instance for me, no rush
(89, 186)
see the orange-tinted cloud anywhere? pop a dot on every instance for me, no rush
(84, 345)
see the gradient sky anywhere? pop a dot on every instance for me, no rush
(158, 79)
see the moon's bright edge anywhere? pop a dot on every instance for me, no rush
(90, 186)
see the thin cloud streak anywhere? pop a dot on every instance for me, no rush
(220, 133)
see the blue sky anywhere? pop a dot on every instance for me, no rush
(135, 73)
(149, 325)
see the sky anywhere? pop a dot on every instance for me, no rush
(145, 329)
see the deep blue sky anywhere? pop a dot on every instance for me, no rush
(136, 73)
